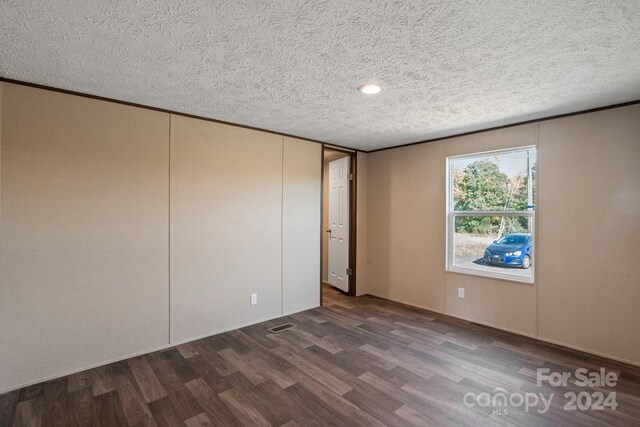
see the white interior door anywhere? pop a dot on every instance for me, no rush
(339, 223)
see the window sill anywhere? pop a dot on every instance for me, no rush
(495, 276)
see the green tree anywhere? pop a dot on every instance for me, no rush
(480, 186)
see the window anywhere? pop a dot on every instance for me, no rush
(491, 213)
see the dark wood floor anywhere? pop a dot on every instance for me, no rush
(356, 361)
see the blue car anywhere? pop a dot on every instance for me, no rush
(512, 250)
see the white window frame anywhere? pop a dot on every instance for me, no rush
(451, 216)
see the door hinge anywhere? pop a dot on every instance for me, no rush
(349, 271)
(350, 177)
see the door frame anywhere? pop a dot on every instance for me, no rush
(353, 211)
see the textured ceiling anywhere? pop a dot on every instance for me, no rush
(293, 66)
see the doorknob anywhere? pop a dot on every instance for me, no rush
(328, 231)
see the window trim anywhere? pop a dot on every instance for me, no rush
(450, 267)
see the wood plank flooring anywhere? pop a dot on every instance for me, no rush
(354, 362)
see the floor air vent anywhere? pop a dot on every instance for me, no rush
(282, 328)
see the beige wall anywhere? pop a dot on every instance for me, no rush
(406, 225)
(91, 233)
(301, 222)
(361, 224)
(226, 210)
(586, 291)
(83, 255)
(589, 230)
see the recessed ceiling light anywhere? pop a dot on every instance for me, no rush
(370, 89)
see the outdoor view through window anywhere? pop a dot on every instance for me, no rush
(491, 213)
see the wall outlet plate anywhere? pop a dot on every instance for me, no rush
(254, 299)
(461, 293)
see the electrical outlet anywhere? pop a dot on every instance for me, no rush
(254, 299)
(461, 293)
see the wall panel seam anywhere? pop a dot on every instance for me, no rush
(536, 222)
(282, 230)
(446, 230)
(170, 230)
(1, 112)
